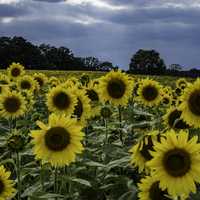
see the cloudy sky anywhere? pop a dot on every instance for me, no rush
(111, 30)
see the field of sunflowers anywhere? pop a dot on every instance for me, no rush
(98, 136)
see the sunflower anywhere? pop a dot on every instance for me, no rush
(149, 92)
(166, 99)
(181, 83)
(141, 151)
(59, 141)
(176, 163)
(7, 190)
(82, 109)
(12, 104)
(115, 87)
(149, 190)
(61, 100)
(4, 79)
(190, 105)
(92, 92)
(15, 70)
(26, 83)
(41, 79)
(53, 81)
(172, 119)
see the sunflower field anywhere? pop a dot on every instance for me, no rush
(106, 136)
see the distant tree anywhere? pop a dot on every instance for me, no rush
(105, 66)
(147, 61)
(91, 63)
(175, 67)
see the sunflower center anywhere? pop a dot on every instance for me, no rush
(194, 102)
(146, 147)
(57, 138)
(40, 81)
(116, 88)
(177, 162)
(61, 100)
(12, 104)
(2, 186)
(156, 193)
(93, 96)
(25, 85)
(166, 100)
(78, 109)
(150, 93)
(15, 72)
(175, 121)
(178, 91)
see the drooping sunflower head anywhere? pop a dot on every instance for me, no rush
(176, 160)
(149, 190)
(141, 151)
(15, 70)
(82, 110)
(41, 79)
(26, 83)
(149, 92)
(190, 105)
(61, 100)
(12, 105)
(59, 141)
(172, 119)
(106, 112)
(7, 190)
(178, 92)
(116, 87)
(84, 79)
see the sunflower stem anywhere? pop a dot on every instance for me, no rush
(120, 123)
(55, 179)
(106, 140)
(18, 176)
(41, 177)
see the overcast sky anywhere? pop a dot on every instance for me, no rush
(111, 30)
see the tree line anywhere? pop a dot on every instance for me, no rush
(47, 57)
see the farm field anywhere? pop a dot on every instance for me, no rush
(98, 136)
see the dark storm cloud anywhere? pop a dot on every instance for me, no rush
(51, 1)
(9, 10)
(114, 31)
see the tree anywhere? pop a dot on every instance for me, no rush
(175, 67)
(147, 62)
(91, 63)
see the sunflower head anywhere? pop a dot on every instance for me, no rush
(172, 119)
(40, 78)
(61, 100)
(175, 159)
(15, 70)
(12, 105)
(190, 105)
(141, 152)
(116, 87)
(82, 110)
(149, 190)
(7, 190)
(4, 79)
(149, 92)
(84, 79)
(26, 83)
(181, 83)
(59, 141)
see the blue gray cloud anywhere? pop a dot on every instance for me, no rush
(109, 29)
